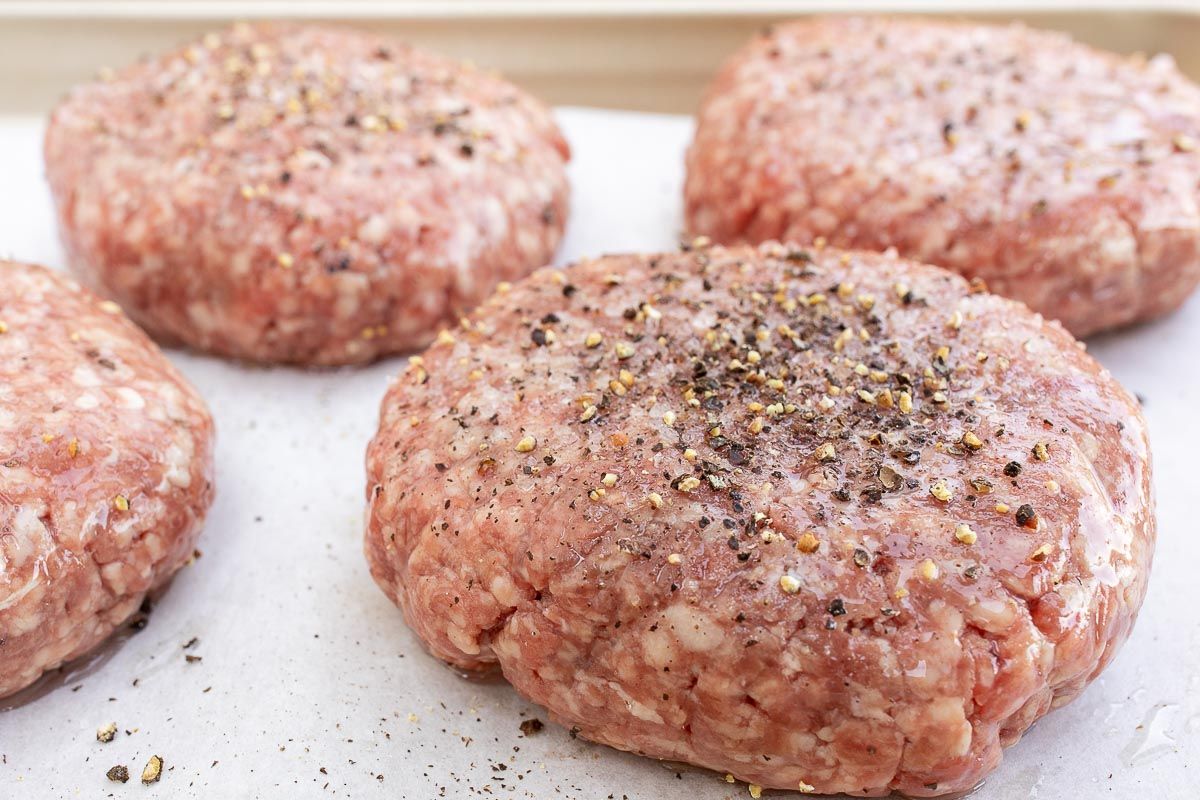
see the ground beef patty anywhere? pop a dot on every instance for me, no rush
(1063, 176)
(813, 518)
(304, 194)
(105, 471)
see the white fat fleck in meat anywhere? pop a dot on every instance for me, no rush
(128, 397)
(84, 375)
(375, 230)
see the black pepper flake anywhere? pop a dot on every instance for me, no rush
(569, 290)
(118, 774)
(1026, 516)
(862, 558)
(1012, 469)
(837, 607)
(539, 337)
(733, 543)
(531, 726)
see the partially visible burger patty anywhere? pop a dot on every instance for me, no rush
(819, 519)
(1064, 177)
(105, 471)
(304, 194)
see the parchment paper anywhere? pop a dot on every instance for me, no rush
(310, 685)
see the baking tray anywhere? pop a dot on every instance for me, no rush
(650, 55)
(310, 685)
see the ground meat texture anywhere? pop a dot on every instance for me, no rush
(304, 194)
(747, 509)
(1062, 176)
(105, 471)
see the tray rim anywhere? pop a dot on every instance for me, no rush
(558, 9)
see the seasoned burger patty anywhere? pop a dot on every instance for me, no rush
(1064, 177)
(105, 471)
(819, 519)
(304, 194)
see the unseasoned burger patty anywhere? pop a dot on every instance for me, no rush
(1064, 177)
(304, 194)
(819, 519)
(105, 471)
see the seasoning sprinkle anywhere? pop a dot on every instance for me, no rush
(106, 733)
(808, 542)
(964, 534)
(941, 491)
(790, 584)
(527, 444)
(121, 503)
(153, 770)
(655, 499)
(593, 340)
(1041, 451)
(1026, 516)
(928, 570)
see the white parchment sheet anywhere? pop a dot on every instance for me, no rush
(309, 683)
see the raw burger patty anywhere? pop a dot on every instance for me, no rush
(813, 518)
(1063, 176)
(304, 194)
(105, 471)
